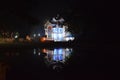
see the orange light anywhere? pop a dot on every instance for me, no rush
(43, 39)
(44, 51)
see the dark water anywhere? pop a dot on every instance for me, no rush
(51, 63)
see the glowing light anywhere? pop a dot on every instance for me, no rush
(34, 51)
(60, 37)
(55, 36)
(16, 36)
(60, 51)
(28, 38)
(34, 35)
(54, 30)
(44, 51)
(43, 39)
(58, 54)
(69, 38)
(58, 34)
(67, 49)
(38, 34)
(39, 53)
(60, 30)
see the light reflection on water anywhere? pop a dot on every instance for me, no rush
(55, 58)
(49, 63)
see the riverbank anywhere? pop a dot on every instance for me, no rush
(35, 44)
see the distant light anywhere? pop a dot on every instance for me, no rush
(38, 34)
(28, 38)
(34, 51)
(16, 36)
(69, 38)
(44, 51)
(67, 49)
(39, 53)
(43, 39)
(34, 35)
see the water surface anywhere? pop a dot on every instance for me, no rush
(56, 63)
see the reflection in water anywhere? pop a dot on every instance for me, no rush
(55, 58)
(34, 52)
(14, 63)
(5, 57)
(3, 70)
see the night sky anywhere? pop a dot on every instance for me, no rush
(28, 15)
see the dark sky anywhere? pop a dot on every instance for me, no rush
(24, 15)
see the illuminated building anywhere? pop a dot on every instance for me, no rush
(56, 30)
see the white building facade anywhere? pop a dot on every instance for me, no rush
(55, 30)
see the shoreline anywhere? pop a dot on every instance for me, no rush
(36, 44)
